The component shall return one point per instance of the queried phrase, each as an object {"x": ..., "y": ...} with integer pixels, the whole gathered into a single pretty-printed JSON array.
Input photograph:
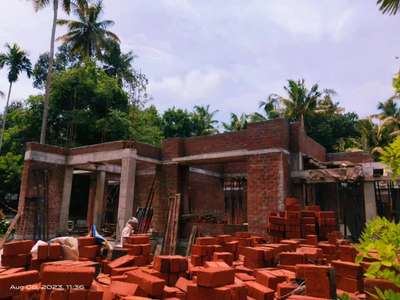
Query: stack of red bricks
[
  {"x": 12, "y": 280},
  {"x": 276, "y": 226},
  {"x": 349, "y": 276},
  {"x": 46, "y": 253},
  {"x": 138, "y": 245},
  {"x": 326, "y": 223},
  {"x": 295, "y": 223},
  {"x": 319, "y": 280},
  {"x": 292, "y": 224},
  {"x": 89, "y": 248},
  {"x": 17, "y": 253},
  {"x": 170, "y": 267},
  {"x": 308, "y": 222}
]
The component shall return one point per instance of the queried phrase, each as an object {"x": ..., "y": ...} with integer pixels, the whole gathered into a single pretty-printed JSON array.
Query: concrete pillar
[
  {"x": 91, "y": 200},
  {"x": 66, "y": 199},
  {"x": 126, "y": 192},
  {"x": 369, "y": 201},
  {"x": 99, "y": 198}
]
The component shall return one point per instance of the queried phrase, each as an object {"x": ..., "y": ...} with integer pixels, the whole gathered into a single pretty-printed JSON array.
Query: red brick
[
  {"x": 19, "y": 260},
  {"x": 89, "y": 252},
  {"x": 225, "y": 256},
  {"x": 122, "y": 270},
  {"x": 18, "y": 247},
  {"x": 152, "y": 285},
  {"x": 182, "y": 283},
  {"x": 55, "y": 251},
  {"x": 291, "y": 258},
  {"x": 258, "y": 291},
  {"x": 16, "y": 279},
  {"x": 43, "y": 252},
  {"x": 206, "y": 240},
  {"x": 123, "y": 261},
  {"x": 137, "y": 239},
  {"x": 347, "y": 253},
  {"x": 269, "y": 279},
  {"x": 67, "y": 275},
  {"x": 121, "y": 288},
  {"x": 86, "y": 241},
  {"x": 215, "y": 277},
  {"x": 284, "y": 288},
  {"x": 245, "y": 277}
]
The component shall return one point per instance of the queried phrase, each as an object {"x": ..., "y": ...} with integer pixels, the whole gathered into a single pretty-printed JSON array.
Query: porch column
[
  {"x": 126, "y": 191},
  {"x": 369, "y": 201},
  {"x": 66, "y": 199},
  {"x": 91, "y": 200},
  {"x": 99, "y": 199}
]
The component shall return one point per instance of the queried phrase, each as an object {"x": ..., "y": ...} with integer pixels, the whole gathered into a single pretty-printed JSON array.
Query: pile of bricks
[
  {"x": 296, "y": 223},
  {"x": 232, "y": 267},
  {"x": 138, "y": 245},
  {"x": 326, "y": 223},
  {"x": 89, "y": 248},
  {"x": 17, "y": 253},
  {"x": 47, "y": 253}
]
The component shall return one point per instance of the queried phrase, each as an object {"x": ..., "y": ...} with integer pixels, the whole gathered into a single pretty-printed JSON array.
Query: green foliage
[
  {"x": 85, "y": 97},
  {"x": 388, "y": 6},
  {"x": 236, "y": 123},
  {"x": 145, "y": 125},
  {"x": 17, "y": 61},
  {"x": 10, "y": 172},
  {"x": 381, "y": 241},
  {"x": 391, "y": 157},
  {"x": 396, "y": 83}
]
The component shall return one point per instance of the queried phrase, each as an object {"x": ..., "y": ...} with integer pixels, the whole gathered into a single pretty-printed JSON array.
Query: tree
[
  {"x": 391, "y": 157},
  {"x": 83, "y": 98},
  {"x": 176, "y": 123},
  {"x": 299, "y": 102},
  {"x": 120, "y": 65},
  {"x": 203, "y": 120},
  {"x": 89, "y": 36},
  {"x": 237, "y": 123},
  {"x": 17, "y": 61},
  {"x": 388, "y": 6},
  {"x": 40, "y": 4},
  {"x": 63, "y": 60},
  {"x": 145, "y": 125}
]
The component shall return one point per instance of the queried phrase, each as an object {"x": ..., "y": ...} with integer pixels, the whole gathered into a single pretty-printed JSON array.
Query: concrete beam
[
  {"x": 126, "y": 193},
  {"x": 102, "y": 156},
  {"x": 227, "y": 154},
  {"x": 45, "y": 157},
  {"x": 66, "y": 199},
  {"x": 109, "y": 168}
]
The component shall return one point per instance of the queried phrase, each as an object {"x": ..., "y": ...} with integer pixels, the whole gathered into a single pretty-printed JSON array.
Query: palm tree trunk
[
  {"x": 49, "y": 75},
  {"x": 3, "y": 127}
]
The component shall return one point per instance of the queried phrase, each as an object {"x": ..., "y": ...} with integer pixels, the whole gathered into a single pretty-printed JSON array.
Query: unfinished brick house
[{"x": 226, "y": 181}]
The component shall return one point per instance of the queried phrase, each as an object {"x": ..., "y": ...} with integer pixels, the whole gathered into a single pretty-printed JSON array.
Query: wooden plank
[{"x": 192, "y": 237}]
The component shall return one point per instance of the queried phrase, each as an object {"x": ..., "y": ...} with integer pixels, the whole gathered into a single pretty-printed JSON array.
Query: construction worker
[{"x": 129, "y": 229}]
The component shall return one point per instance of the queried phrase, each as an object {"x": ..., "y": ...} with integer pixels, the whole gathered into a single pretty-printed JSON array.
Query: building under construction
[{"x": 222, "y": 183}]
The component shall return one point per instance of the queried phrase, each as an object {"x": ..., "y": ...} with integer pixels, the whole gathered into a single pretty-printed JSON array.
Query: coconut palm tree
[
  {"x": 88, "y": 35},
  {"x": 17, "y": 61},
  {"x": 390, "y": 7},
  {"x": 38, "y": 5},
  {"x": 203, "y": 119},
  {"x": 237, "y": 122},
  {"x": 119, "y": 64}
]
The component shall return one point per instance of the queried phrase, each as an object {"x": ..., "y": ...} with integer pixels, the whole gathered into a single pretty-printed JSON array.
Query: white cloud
[{"x": 190, "y": 87}]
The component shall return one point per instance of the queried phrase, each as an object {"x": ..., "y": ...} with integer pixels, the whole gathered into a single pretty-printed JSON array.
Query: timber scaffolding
[{"x": 227, "y": 183}]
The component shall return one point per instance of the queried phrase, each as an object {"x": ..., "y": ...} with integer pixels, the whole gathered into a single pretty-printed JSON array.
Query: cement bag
[{"x": 69, "y": 246}]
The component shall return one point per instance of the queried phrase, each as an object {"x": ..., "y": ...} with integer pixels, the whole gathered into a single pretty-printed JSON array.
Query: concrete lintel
[
  {"x": 228, "y": 154},
  {"x": 46, "y": 157},
  {"x": 109, "y": 168},
  {"x": 145, "y": 172},
  {"x": 102, "y": 156},
  {"x": 206, "y": 172}
]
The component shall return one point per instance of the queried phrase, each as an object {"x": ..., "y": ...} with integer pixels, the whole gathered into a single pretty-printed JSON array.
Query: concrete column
[
  {"x": 91, "y": 200},
  {"x": 126, "y": 192},
  {"x": 99, "y": 199},
  {"x": 66, "y": 199},
  {"x": 369, "y": 201}
]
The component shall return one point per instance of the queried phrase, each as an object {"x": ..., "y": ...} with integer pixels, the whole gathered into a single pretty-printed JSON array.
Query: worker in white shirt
[{"x": 129, "y": 229}]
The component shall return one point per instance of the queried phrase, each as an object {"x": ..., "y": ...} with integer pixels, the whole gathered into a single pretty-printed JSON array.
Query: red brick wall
[
  {"x": 354, "y": 157},
  {"x": 300, "y": 142},
  {"x": 55, "y": 186},
  {"x": 266, "y": 188}
]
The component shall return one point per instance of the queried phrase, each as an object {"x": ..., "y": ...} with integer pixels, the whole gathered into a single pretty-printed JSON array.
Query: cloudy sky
[{"x": 233, "y": 53}]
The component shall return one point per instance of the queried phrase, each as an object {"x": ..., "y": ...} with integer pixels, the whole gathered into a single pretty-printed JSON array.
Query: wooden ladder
[{"x": 171, "y": 232}]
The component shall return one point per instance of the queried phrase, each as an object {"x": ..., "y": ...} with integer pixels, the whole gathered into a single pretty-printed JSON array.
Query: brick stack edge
[{"x": 232, "y": 267}]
